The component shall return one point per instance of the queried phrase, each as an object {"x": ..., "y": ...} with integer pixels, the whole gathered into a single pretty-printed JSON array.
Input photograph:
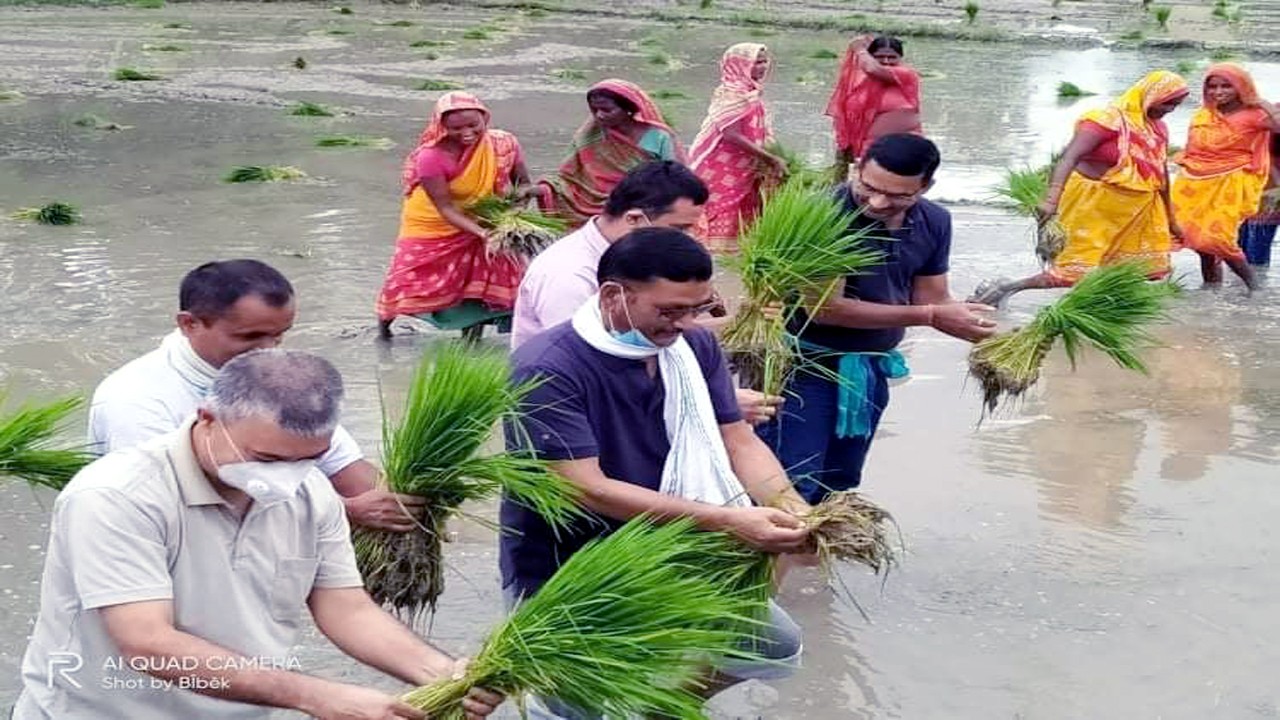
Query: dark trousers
[
  {"x": 1255, "y": 239},
  {"x": 804, "y": 436}
]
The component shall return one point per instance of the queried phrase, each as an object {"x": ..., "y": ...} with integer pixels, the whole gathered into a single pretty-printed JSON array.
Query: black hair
[
  {"x": 654, "y": 187},
  {"x": 211, "y": 289},
  {"x": 653, "y": 253},
  {"x": 905, "y": 154},
  {"x": 628, "y": 106},
  {"x": 885, "y": 41}
]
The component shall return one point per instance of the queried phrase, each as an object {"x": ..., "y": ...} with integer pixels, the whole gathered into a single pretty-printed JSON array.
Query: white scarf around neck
[
  {"x": 697, "y": 466},
  {"x": 195, "y": 370}
]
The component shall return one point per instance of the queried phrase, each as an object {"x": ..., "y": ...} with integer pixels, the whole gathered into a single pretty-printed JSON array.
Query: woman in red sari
[
  {"x": 1225, "y": 169},
  {"x": 442, "y": 271},
  {"x": 875, "y": 95},
  {"x": 626, "y": 130},
  {"x": 729, "y": 153}
]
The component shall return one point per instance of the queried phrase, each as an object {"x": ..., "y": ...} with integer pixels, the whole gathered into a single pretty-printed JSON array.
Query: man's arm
[
  {"x": 848, "y": 312},
  {"x": 758, "y": 469},
  {"x": 931, "y": 306},
  {"x": 763, "y": 528},
  {"x": 372, "y": 506},
  {"x": 145, "y": 631},
  {"x": 361, "y": 629}
]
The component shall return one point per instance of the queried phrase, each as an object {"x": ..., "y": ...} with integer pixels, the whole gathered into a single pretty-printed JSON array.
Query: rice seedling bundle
[
  {"x": 1071, "y": 90},
  {"x": 54, "y": 213},
  {"x": 347, "y": 141},
  {"x": 163, "y": 48},
  {"x": 310, "y": 109},
  {"x": 434, "y": 85},
  {"x": 799, "y": 170},
  {"x": 1025, "y": 189},
  {"x": 27, "y": 448},
  {"x": 846, "y": 526},
  {"x": 626, "y": 628},
  {"x": 515, "y": 229},
  {"x": 435, "y": 451},
  {"x": 797, "y": 251},
  {"x": 1108, "y": 309},
  {"x": 263, "y": 173},
  {"x": 300, "y": 63},
  {"x": 131, "y": 75}
]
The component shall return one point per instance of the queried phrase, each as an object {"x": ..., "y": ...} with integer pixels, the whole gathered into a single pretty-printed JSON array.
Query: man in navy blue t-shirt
[
  {"x": 600, "y": 415},
  {"x": 825, "y": 429}
]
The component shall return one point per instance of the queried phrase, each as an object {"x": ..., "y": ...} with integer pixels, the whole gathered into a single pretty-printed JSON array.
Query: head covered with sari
[
  {"x": 647, "y": 110},
  {"x": 1219, "y": 143},
  {"x": 1142, "y": 141},
  {"x": 435, "y": 131},
  {"x": 737, "y": 95},
  {"x": 1239, "y": 78},
  {"x": 858, "y": 98}
]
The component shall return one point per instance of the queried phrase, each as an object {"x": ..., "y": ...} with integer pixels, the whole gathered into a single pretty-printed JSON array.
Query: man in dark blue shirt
[
  {"x": 601, "y": 415},
  {"x": 826, "y": 427}
]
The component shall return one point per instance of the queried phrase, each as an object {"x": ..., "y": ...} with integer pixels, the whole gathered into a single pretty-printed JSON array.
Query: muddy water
[{"x": 1102, "y": 550}]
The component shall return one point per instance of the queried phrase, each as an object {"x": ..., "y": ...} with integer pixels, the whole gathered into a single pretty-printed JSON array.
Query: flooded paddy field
[{"x": 1105, "y": 549}]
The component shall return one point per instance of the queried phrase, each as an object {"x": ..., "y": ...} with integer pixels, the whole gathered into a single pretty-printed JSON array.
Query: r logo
[{"x": 63, "y": 664}]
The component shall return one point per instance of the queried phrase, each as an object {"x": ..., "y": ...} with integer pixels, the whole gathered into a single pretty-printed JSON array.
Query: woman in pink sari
[
  {"x": 729, "y": 153},
  {"x": 875, "y": 95}
]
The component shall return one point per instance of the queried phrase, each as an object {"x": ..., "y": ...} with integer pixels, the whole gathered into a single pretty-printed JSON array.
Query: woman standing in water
[
  {"x": 1225, "y": 168},
  {"x": 1110, "y": 190},
  {"x": 729, "y": 153},
  {"x": 875, "y": 94},
  {"x": 625, "y": 130},
  {"x": 442, "y": 271}
]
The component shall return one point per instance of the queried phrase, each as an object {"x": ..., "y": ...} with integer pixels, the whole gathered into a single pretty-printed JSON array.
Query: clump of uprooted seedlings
[
  {"x": 1108, "y": 309},
  {"x": 514, "y": 228},
  {"x": 28, "y": 448},
  {"x": 435, "y": 451},
  {"x": 1025, "y": 190},
  {"x": 798, "y": 169},
  {"x": 629, "y": 626},
  {"x": 54, "y": 213},
  {"x": 848, "y": 527},
  {"x": 263, "y": 174},
  {"x": 796, "y": 253}
]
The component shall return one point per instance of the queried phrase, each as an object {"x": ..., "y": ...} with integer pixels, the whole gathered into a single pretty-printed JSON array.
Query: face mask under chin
[{"x": 632, "y": 337}]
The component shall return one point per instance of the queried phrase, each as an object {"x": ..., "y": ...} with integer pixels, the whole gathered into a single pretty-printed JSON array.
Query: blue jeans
[
  {"x": 804, "y": 436},
  {"x": 1255, "y": 239},
  {"x": 779, "y": 643}
]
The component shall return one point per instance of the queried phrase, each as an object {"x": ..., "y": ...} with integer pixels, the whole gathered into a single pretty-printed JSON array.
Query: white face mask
[{"x": 265, "y": 482}]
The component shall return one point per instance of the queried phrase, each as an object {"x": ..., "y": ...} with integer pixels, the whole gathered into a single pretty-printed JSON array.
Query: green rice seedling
[
  {"x": 347, "y": 141},
  {"x": 54, "y": 213},
  {"x": 649, "y": 41},
  {"x": 478, "y": 33},
  {"x": 848, "y": 527},
  {"x": 627, "y": 627},
  {"x": 400, "y": 23},
  {"x": 1162, "y": 14},
  {"x": 1185, "y": 67},
  {"x": 569, "y": 74},
  {"x": 263, "y": 174},
  {"x": 435, "y": 450},
  {"x": 1069, "y": 90},
  {"x": 798, "y": 169},
  {"x": 515, "y": 229},
  {"x": 1223, "y": 54},
  {"x": 93, "y": 122},
  {"x": 705, "y": 4},
  {"x": 1134, "y": 36},
  {"x": 300, "y": 63},
  {"x": 430, "y": 56},
  {"x": 149, "y": 4},
  {"x": 534, "y": 12},
  {"x": 659, "y": 58},
  {"x": 344, "y": 10},
  {"x": 429, "y": 43},
  {"x": 339, "y": 31},
  {"x": 824, "y": 54},
  {"x": 1221, "y": 10},
  {"x": 176, "y": 26},
  {"x": 1025, "y": 190},
  {"x": 434, "y": 85},
  {"x": 28, "y": 450},
  {"x": 971, "y": 12},
  {"x": 310, "y": 109},
  {"x": 1108, "y": 310},
  {"x": 798, "y": 250},
  {"x": 126, "y": 74},
  {"x": 163, "y": 48}
]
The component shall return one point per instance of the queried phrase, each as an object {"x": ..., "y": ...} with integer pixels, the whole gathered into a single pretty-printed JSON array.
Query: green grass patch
[
  {"x": 310, "y": 109},
  {"x": 399, "y": 23},
  {"x": 263, "y": 174},
  {"x": 1223, "y": 54},
  {"x": 54, "y": 213},
  {"x": 1133, "y": 36},
  {"x": 126, "y": 74},
  {"x": 569, "y": 74},
  {"x": 1162, "y": 14},
  {"x": 1071, "y": 90},
  {"x": 483, "y": 32},
  {"x": 163, "y": 48},
  {"x": 659, "y": 58},
  {"x": 1185, "y": 67},
  {"x": 354, "y": 141},
  {"x": 436, "y": 85},
  {"x": 648, "y": 42},
  {"x": 94, "y": 122},
  {"x": 429, "y": 43}
]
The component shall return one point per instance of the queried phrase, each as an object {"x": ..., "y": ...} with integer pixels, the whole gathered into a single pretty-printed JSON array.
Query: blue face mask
[{"x": 631, "y": 337}]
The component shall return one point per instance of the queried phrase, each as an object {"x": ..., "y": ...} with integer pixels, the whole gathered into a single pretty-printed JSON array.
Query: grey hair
[{"x": 300, "y": 392}]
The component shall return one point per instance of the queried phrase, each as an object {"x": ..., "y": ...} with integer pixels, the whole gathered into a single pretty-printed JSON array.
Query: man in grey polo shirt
[{"x": 178, "y": 570}]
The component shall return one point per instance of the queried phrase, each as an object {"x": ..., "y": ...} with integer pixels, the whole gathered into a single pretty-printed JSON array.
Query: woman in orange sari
[
  {"x": 1225, "y": 167},
  {"x": 875, "y": 95},
  {"x": 1110, "y": 190},
  {"x": 442, "y": 271},
  {"x": 729, "y": 153},
  {"x": 625, "y": 131}
]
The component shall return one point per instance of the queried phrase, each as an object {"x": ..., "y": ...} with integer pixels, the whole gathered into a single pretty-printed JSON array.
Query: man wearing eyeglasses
[{"x": 823, "y": 433}]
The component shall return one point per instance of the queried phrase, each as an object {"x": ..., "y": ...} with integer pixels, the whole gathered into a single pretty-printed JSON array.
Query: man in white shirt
[
  {"x": 178, "y": 570},
  {"x": 224, "y": 309}
]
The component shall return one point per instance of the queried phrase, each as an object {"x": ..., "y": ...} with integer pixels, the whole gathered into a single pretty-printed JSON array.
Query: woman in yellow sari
[
  {"x": 442, "y": 271},
  {"x": 1224, "y": 170},
  {"x": 1110, "y": 190}
]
